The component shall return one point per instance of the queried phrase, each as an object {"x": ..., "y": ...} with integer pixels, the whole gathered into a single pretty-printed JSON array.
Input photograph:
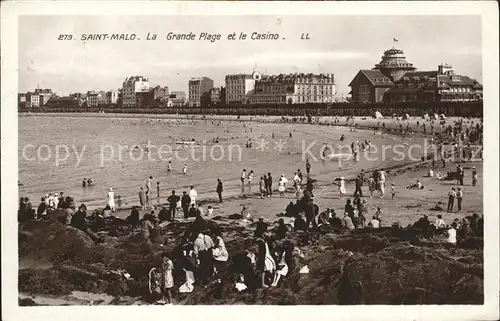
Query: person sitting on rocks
[
  {"x": 299, "y": 224},
  {"x": 464, "y": 232},
  {"x": 42, "y": 209},
  {"x": 193, "y": 211},
  {"x": 147, "y": 228},
  {"x": 164, "y": 215},
  {"x": 348, "y": 224},
  {"x": 290, "y": 210},
  {"x": 285, "y": 263},
  {"x": 374, "y": 223},
  {"x": 335, "y": 222},
  {"x": 261, "y": 228},
  {"x": 69, "y": 211},
  {"x": 79, "y": 221},
  {"x": 451, "y": 233},
  {"x": 423, "y": 224},
  {"x": 440, "y": 224},
  {"x": 323, "y": 218},
  {"x": 133, "y": 218},
  {"x": 281, "y": 230},
  {"x": 265, "y": 262}
]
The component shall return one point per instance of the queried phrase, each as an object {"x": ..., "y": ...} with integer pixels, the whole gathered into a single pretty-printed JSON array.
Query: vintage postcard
[{"x": 225, "y": 159}]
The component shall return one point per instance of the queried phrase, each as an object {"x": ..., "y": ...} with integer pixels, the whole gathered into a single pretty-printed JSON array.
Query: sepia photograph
[{"x": 210, "y": 154}]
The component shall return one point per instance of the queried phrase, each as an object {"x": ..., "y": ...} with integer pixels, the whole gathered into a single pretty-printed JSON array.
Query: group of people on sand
[{"x": 48, "y": 204}]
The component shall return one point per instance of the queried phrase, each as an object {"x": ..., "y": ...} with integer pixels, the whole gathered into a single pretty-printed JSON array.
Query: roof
[
  {"x": 421, "y": 74},
  {"x": 376, "y": 77},
  {"x": 457, "y": 80},
  {"x": 411, "y": 87}
]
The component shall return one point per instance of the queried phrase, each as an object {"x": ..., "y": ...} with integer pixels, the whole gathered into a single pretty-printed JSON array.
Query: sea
[{"x": 57, "y": 152}]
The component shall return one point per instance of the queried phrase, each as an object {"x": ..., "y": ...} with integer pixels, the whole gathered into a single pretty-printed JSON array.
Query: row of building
[{"x": 392, "y": 80}]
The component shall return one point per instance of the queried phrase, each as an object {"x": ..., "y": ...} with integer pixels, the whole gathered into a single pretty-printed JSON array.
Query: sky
[{"x": 337, "y": 44}]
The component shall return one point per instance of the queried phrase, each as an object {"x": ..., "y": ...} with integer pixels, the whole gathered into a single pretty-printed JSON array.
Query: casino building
[{"x": 395, "y": 80}]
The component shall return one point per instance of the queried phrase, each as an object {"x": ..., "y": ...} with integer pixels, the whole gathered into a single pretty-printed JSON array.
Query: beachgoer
[
  {"x": 167, "y": 268},
  {"x": 111, "y": 200},
  {"x": 348, "y": 222},
  {"x": 358, "y": 184},
  {"x": 185, "y": 202},
  {"x": 169, "y": 166},
  {"x": 193, "y": 194},
  {"x": 210, "y": 211},
  {"x": 219, "y": 189},
  {"x": 242, "y": 179},
  {"x": 440, "y": 224},
  {"x": 374, "y": 223},
  {"x": 281, "y": 185},
  {"x": 451, "y": 199},
  {"x": 184, "y": 169},
  {"x": 157, "y": 192},
  {"x": 308, "y": 167},
  {"x": 249, "y": 180},
  {"x": 142, "y": 198},
  {"x": 460, "y": 195},
  {"x": 172, "y": 201},
  {"x": 260, "y": 228},
  {"x": 262, "y": 186},
  {"x": 269, "y": 185},
  {"x": 341, "y": 185},
  {"x": 452, "y": 233},
  {"x": 393, "y": 190},
  {"x": 474, "y": 176},
  {"x": 202, "y": 248}
]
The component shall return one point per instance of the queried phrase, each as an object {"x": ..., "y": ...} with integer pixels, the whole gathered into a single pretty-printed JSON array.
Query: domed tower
[{"x": 394, "y": 64}]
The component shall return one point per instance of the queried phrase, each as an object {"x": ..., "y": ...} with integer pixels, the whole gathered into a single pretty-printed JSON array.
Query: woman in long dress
[
  {"x": 342, "y": 189},
  {"x": 111, "y": 199},
  {"x": 281, "y": 185}
]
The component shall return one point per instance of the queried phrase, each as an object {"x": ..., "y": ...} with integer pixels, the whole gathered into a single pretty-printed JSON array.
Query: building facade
[
  {"x": 176, "y": 99},
  {"x": 441, "y": 85},
  {"x": 369, "y": 86},
  {"x": 112, "y": 97},
  {"x": 92, "y": 99},
  {"x": 198, "y": 87},
  {"x": 131, "y": 86},
  {"x": 217, "y": 96},
  {"x": 155, "y": 96},
  {"x": 294, "y": 89},
  {"x": 239, "y": 86}
]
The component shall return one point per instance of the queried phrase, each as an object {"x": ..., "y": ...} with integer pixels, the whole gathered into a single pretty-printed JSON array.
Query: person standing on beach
[
  {"x": 474, "y": 176},
  {"x": 185, "y": 169},
  {"x": 185, "y": 201},
  {"x": 242, "y": 179},
  {"x": 460, "y": 195},
  {"x": 341, "y": 185},
  {"x": 193, "y": 194},
  {"x": 149, "y": 184},
  {"x": 142, "y": 198},
  {"x": 249, "y": 180},
  {"x": 308, "y": 167},
  {"x": 172, "y": 201},
  {"x": 451, "y": 199},
  {"x": 393, "y": 190},
  {"x": 158, "y": 192},
  {"x": 219, "y": 189},
  {"x": 111, "y": 199},
  {"x": 281, "y": 185},
  {"x": 269, "y": 185},
  {"x": 381, "y": 183},
  {"x": 169, "y": 166},
  {"x": 262, "y": 186},
  {"x": 358, "y": 183}
]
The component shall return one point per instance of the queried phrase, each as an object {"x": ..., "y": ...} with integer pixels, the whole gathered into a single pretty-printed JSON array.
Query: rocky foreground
[{"x": 383, "y": 266}]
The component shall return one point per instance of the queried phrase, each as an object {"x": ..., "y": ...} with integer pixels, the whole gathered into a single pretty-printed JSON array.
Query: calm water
[{"x": 88, "y": 135}]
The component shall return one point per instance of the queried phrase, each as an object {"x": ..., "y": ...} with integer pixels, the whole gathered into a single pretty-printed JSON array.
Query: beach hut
[{"x": 378, "y": 115}]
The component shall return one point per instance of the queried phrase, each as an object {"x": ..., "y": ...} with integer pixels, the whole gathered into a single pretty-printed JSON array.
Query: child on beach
[{"x": 167, "y": 268}]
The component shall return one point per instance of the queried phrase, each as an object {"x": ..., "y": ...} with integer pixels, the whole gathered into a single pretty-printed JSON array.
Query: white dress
[
  {"x": 111, "y": 200},
  {"x": 342, "y": 189},
  {"x": 281, "y": 184},
  {"x": 193, "y": 195}
]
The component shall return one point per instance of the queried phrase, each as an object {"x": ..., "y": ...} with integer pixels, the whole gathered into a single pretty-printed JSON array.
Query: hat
[
  {"x": 110, "y": 189},
  {"x": 56, "y": 194}
]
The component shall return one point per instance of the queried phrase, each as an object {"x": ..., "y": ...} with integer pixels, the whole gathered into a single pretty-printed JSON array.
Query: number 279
[{"x": 65, "y": 37}]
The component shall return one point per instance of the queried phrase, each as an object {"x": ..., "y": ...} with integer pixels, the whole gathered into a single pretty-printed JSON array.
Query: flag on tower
[{"x": 394, "y": 39}]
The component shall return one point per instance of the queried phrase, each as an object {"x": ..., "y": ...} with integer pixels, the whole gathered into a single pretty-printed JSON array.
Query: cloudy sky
[{"x": 338, "y": 44}]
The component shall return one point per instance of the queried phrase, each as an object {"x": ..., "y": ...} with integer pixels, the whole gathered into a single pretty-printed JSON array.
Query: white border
[{"x": 11, "y": 10}]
